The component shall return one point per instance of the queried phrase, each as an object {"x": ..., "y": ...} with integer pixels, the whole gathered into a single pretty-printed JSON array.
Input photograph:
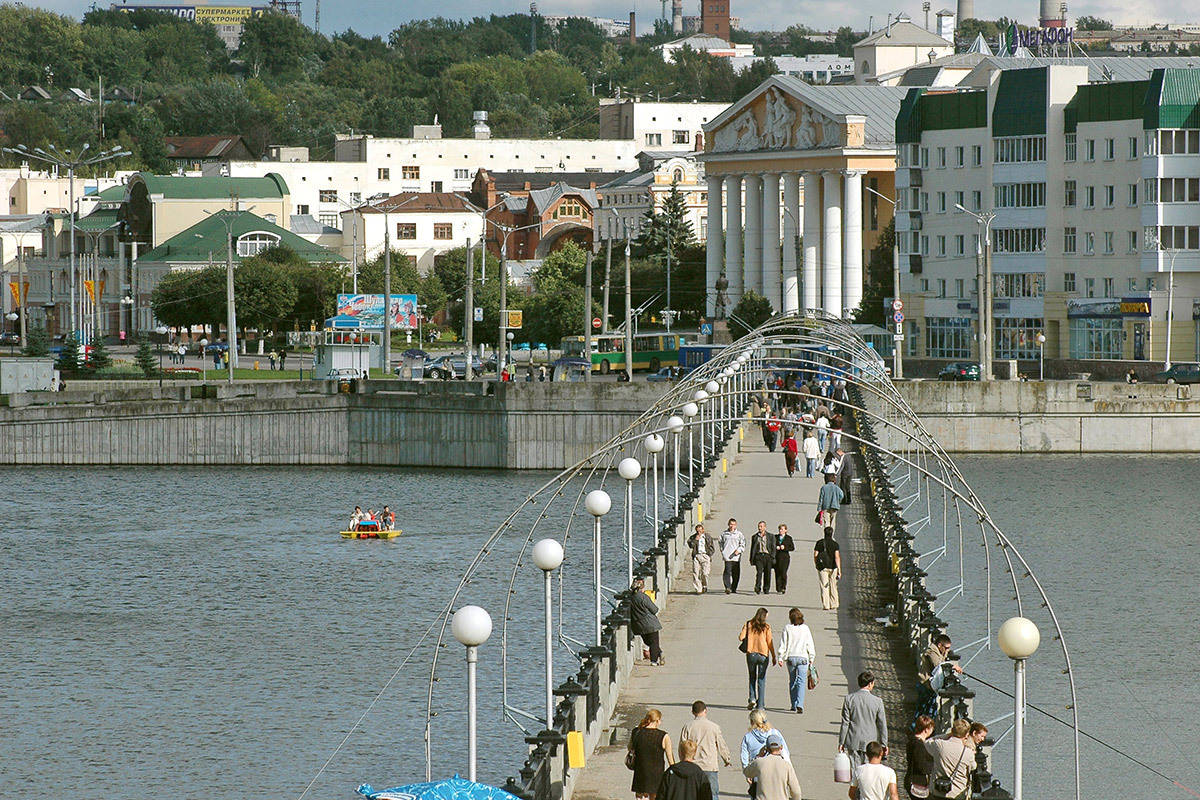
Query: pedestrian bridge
[{"x": 921, "y": 557}]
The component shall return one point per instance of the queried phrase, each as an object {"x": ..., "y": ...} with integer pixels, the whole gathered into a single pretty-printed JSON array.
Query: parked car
[
  {"x": 10, "y": 338},
  {"x": 959, "y": 371},
  {"x": 453, "y": 366},
  {"x": 663, "y": 375},
  {"x": 1183, "y": 372}
]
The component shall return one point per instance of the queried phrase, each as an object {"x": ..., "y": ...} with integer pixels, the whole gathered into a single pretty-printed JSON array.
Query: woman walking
[
  {"x": 919, "y": 776},
  {"x": 812, "y": 452},
  {"x": 760, "y": 652},
  {"x": 797, "y": 653},
  {"x": 754, "y": 743},
  {"x": 649, "y": 745},
  {"x": 790, "y": 450}
]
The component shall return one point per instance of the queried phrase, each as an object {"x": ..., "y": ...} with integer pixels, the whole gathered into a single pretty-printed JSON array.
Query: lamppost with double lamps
[
  {"x": 64, "y": 159},
  {"x": 1019, "y": 639},
  {"x": 690, "y": 410},
  {"x": 1172, "y": 251},
  {"x": 471, "y": 627},
  {"x": 597, "y": 504},
  {"x": 983, "y": 275},
  {"x": 548, "y": 556}
]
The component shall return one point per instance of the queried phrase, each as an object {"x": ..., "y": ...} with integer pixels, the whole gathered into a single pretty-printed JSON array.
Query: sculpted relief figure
[
  {"x": 807, "y": 133},
  {"x": 740, "y": 134},
  {"x": 780, "y": 120}
]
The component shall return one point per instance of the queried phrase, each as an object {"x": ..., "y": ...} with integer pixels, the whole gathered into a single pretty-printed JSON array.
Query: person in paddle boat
[
  {"x": 389, "y": 519},
  {"x": 356, "y": 518}
]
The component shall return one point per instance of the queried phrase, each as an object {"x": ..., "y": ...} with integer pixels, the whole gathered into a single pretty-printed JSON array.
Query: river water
[{"x": 206, "y": 631}]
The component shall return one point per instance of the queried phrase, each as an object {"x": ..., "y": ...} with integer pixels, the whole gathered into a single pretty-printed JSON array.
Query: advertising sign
[
  {"x": 216, "y": 15},
  {"x": 368, "y": 310}
]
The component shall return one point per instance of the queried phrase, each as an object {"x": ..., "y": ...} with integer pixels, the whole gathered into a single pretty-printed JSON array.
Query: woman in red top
[{"x": 790, "y": 449}]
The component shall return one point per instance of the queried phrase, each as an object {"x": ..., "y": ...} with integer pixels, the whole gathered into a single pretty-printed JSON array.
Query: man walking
[
  {"x": 710, "y": 744},
  {"x": 846, "y": 477},
  {"x": 873, "y": 780},
  {"x": 828, "y": 558},
  {"x": 702, "y": 549},
  {"x": 863, "y": 721},
  {"x": 783, "y": 557},
  {"x": 762, "y": 556},
  {"x": 733, "y": 543},
  {"x": 643, "y": 620},
  {"x": 829, "y": 500},
  {"x": 772, "y": 774},
  {"x": 685, "y": 780}
]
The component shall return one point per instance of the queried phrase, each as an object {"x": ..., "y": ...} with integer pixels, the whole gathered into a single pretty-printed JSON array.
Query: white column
[
  {"x": 754, "y": 249},
  {"x": 770, "y": 264},
  {"x": 733, "y": 238},
  {"x": 812, "y": 240},
  {"x": 831, "y": 245},
  {"x": 852, "y": 248},
  {"x": 791, "y": 229},
  {"x": 713, "y": 243}
]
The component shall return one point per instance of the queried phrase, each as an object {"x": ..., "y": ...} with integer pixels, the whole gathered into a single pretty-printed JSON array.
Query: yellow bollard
[
  {"x": 256, "y": 365},
  {"x": 575, "y": 755},
  {"x": 724, "y": 466},
  {"x": 699, "y": 512},
  {"x": 895, "y": 564},
  {"x": 741, "y": 434}
]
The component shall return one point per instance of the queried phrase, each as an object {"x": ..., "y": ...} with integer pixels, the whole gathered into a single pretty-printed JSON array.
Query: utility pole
[
  {"x": 469, "y": 314},
  {"x": 587, "y": 316},
  {"x": 607, "y": 284},
  {"x": 628, "y": 317},
  {"x": 532, "y": 28},
  {"x": 230, "y": 310},
  {"x": 387, "y": 300},
  {"x": 502, "y": 342},
  {"x": 897, "y": 343}
]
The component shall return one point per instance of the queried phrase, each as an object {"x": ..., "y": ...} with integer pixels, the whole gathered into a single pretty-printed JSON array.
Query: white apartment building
[
  {"x": 422, "y": 226},
  {"x": 1094, "y": 196},
  {"x": 366, "y": 167},
  {"x": 657, "y": 127},
  {"x": 35, "y": 191},
  {"x": 814, "y": 68}
]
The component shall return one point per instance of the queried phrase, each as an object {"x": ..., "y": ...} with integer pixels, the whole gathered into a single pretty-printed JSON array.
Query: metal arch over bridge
[{"x": 907, "y": 470}]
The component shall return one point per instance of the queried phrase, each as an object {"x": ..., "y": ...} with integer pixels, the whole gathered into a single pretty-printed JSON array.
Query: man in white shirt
[
  {"x": 732, "y": 544},
  {"x": 873, "y": 780}
]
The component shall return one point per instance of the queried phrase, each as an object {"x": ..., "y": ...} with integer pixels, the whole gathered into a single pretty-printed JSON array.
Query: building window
[
  {"x": 1178, "y": 190},
  {"x": 443, "y": 231},
  {"x": 383, "y": 173},
  {"x": 977, "y": 200},
  {"x": 924, "y": 284},
  {"x": 1089, "y": 287},
  {"x": 959, "y": 244},
  {"x": 1131, "y": 285},
  {"x": 941, "y": 287},
  {"x": 959, "y": 287},
  {"x": 1177, "y": 237},
  {"x": 977, "y": 155},
  {"x": 1070, "y": 147},
  {"x": 941, "y": 246},
  {"x": 1089, "y": 197},
  {"x": 924, "y": 245},
  {"x": 327, "y": 195},
  {"x": 1020, "y": 195},
  {"x": 1068, "y": 282},
  {"x": 1110, "y": 196},
  {"x": 302, "y": 209},
  {"x": 1109, "y": 150},
  {"x": 1096, "y": 337},
  {"x": 1069, "y": 194},
  {"x": 329, "y": 220},
  {"x": 1179, "y": 142},
  {"x": 1069, "y": 244},
  {"x": 1109, "y": 289},
  {"x": 959, "y": 156},
  {"x": 1017, "y": 337},
  {"x": 410, "y": 173},
  {"x": 941, "y": 202},
  {"x": 925, "y": 202},
  {"x": 356, "y": 197},
  {"x": 1089, "y": 245},
  {"x": 1151, "y": 195},
  {"x": 1019, "y": 284},
  {"x": 251, "y": 244},
  {"x": 570, "y": 208},
  {"x": 941, "y": 158},
  {"x": 1019, "y": 240},
  {"x": 1133, "y": 194},
  {"x": 679, "y": 137},
  {"x": 959, "y": 201},
  {"x": 462, "y": 174},
  {"x": 406, "y": 230},
  {"x": 1089, "y": 150},
  {"x": 924, "y": 158},
  {"x": 1108, "y": 247},
  {"x": 1019, "y": 149},
  {"x": 1133, "y": 147},
  {"x": 1133, "y": 242},
  {"x": 653, "y": 139},
  {"x": 948, "y": 337}
]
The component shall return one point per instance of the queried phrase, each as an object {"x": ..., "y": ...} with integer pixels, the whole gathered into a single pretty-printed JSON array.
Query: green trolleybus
[{"x": 651, "y": 351}]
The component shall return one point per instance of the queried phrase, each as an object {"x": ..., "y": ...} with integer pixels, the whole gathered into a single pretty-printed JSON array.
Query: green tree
[
  {"x": 274, "y": 46},
  {"x": 264, "y": 293},
  {"x": 145, "y": 357},
  {"x": 38, "y": 343},
  {"x": 670, "y": 226},
  {"x": 100, "y": 356},
  {"x": 750, "y": 312},
  {"x": 68, "y": 356},
  {"x": 844, "y": 41},
  {"x": 878, "y": 284},
  {"x": 1090, "y": 23},
  {"x": 182, "y": 299},
  {"x": 556, "y": 309}
]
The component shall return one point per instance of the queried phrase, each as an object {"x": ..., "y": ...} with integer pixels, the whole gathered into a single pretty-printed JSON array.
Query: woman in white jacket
[
  {"x": 812, "y": 452},
  {"x": 796, "y": 652}
]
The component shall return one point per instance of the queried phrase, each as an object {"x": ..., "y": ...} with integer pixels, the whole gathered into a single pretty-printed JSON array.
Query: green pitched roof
[
  {"x": 99, "y": 220},
  {"x": 1173, "y": 99},
  {"x": 194, "y": 245},
  {"x": 1020, "y": 108},
  {"x": 184, "y": 188},
  {"x": 1105, "y": 102}
]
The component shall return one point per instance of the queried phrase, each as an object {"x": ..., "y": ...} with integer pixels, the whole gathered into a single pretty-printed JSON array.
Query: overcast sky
[{"x": 371, "y": 17}]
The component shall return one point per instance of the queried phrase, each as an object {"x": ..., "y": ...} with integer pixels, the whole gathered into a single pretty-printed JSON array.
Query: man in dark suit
[
  {"x": 863, "y": 721},
  {"x": 784, "y": 546}
]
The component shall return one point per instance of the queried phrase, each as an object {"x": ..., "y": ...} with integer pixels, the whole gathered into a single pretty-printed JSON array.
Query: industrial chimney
[
  {"x": 966, "y": 10},
  {"x": 1053, "y": 14},
  {"x": 677, "y": 15},
  {"x": 632, "y": 28}
]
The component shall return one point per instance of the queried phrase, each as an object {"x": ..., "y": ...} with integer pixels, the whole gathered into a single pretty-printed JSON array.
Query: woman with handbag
[
  {"x": 759, "y": 647},
  {"x": 919, "y": 775},
  {"x": 648, "y": 744},
  {"x": 953, "y": 759},
  {"x": 797, "y": 653}
]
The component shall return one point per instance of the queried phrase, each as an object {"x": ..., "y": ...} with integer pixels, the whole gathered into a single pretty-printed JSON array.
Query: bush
[
  {"x": 145, "y": 357},
  {"x": 750, "y": 312},
  {"x": 100, "y": 358},
  {"x": 68, "y": 357},
  {"x": 38, "y": 345}
]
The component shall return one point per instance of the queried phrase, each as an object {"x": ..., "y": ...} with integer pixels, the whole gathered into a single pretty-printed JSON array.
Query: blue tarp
[{"x": 454, "y": 789}]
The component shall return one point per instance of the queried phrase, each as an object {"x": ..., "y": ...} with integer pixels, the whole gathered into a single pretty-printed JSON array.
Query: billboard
[
  {"x": 217, "y": 15},
  {"x": 368, "y": 310}
]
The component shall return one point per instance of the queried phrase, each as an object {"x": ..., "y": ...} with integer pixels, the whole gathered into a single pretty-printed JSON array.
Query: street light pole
[
  {"x": 597, "y": 504},
  {"x": 983, "y": 276},
  {"x": 471, "y": 626},
  {"x": 1019, "y": 639},
  {"x": 629, "y": 469},
  {"x": 1041, "y": 340},
  {"x": 628, "y": 317},
  {"x": 897, "y": 347},
  {"x": 1170, "y": 302},
  {"x": 548, "y": 556}
]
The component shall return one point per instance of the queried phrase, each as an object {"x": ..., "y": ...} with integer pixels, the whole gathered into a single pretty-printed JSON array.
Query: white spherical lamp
[
  {"x": 700, "y": 396},
  {"x": 712, "y": 387},
  {"x": 675, "y": 424},
  {"x": 690, "y": 409},
  {"x": 654, "y": 443},
  {"x": 471, "y": 626},
  {"x": 1018, "y": 638},
  {"x": 629, "y": 468},
  {"x": 548, "y": 554},
  {"x": 597, "y": 503},
  {"x": 736, "y": 365}
]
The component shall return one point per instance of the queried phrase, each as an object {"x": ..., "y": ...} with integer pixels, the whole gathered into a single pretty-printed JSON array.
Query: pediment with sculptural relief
[{"x": 775, "y": 120}]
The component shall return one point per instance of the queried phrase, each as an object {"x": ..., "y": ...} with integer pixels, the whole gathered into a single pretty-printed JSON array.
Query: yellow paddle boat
[{"x": 371, "y": 533}]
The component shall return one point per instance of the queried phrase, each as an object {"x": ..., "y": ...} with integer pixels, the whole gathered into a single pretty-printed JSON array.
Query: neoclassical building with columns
[{"x": 803, "y": 177}]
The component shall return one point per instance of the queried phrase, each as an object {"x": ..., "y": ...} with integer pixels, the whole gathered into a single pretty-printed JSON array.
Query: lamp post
[
  {"x": 508, "y": 231},
  {"x": 12, "y": 317},
  {"x": 675, "y": 425},
  {"x": 161, "y": 330},
  {"x": 63, "y": 159},
  {"x": 629, "y": 469},
  {"x": 548, "y": 556},
  {"x": 471, "y": 627},
  {"x": 1170, "y": 300},
  {"x": 690, "y": 410},
  {"x": 204, "y": 360},
  {"x": 597, "y": 504},
  {"x": 507, "y": 359},
  {"x": 897, "y": 357},
  {"x": 1019, "y": 639},
  {"x": 983, "y": 275},
  {"x": 654, "y": 445},
  {"x": 227, "y": 218},
  {"x": 1041, "y": 340},
  {"x": 713, "y": 388}
]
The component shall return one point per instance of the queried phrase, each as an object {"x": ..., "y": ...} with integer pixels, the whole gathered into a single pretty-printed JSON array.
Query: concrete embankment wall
[
  {"x": 386, "y": 423},
  {"x": 1057, "y": 416}
]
